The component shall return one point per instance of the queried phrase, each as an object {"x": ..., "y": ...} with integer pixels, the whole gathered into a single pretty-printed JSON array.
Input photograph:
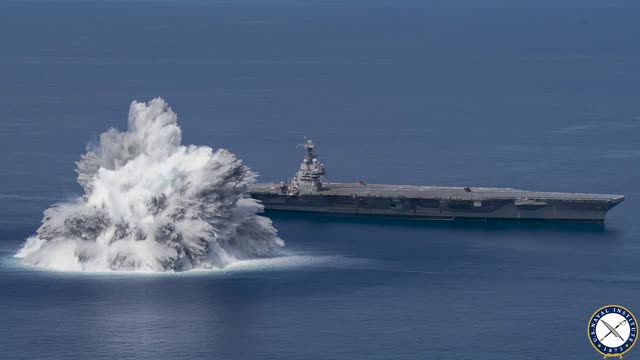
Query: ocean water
[{"x": 540, "y": 95}]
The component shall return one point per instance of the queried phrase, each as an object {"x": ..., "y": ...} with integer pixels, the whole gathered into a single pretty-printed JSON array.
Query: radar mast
[{"x": 310, "y": 175}]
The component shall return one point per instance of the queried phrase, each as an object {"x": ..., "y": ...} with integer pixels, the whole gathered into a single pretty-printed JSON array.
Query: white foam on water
[
  {"x": 261, "y": 265},
  {"x": 151, "y": 204}
]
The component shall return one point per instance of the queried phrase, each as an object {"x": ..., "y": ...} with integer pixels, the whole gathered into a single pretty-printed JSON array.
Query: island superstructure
[{"x": 307, "y": 191}]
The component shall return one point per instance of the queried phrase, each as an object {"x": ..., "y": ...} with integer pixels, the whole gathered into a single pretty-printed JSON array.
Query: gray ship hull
[{"x": 439, "y": 203}]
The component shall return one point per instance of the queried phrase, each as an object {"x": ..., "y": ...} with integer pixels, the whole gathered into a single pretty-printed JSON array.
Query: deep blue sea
[{"x": 540, "y": 95}]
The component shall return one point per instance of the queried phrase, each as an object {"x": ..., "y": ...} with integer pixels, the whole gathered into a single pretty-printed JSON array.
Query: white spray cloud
[{"x": 152, "y": 204}]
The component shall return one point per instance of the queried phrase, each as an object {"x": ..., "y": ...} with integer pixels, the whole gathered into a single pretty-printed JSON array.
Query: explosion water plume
[{"x": 153, "y": 204}]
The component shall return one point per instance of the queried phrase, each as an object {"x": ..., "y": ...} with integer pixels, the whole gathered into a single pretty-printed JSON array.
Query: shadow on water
[
  {"x": 370, "y": 236},
  {"x": 494, "y": 225}
]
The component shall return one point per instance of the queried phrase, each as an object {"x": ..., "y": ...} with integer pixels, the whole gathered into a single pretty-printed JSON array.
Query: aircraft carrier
[{"x": 308, "y": 192}]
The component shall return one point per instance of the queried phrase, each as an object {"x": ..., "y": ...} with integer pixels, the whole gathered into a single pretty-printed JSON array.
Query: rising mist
[{"x": 153, "y": 204}]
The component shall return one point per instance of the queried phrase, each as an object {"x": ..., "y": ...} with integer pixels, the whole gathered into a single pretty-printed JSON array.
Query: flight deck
[{"x": 307, "y": 192}]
